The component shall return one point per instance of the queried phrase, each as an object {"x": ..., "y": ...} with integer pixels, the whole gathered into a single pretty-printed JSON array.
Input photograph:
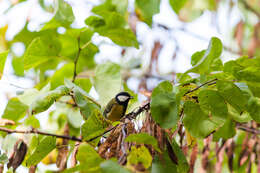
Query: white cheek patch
[{"x": 122, "y": 98}]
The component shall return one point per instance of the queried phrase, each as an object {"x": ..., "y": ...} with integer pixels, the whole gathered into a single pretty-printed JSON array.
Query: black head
[{"x": 123, "y": 98}]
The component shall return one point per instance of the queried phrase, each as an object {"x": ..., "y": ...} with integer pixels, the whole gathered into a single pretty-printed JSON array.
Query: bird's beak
[{"x": 131, "y": 97}]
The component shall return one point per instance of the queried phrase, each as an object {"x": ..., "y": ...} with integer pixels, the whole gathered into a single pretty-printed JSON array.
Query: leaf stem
[
  {"x": 76, "y": 60},
  {"x": 211, "y": 82}
]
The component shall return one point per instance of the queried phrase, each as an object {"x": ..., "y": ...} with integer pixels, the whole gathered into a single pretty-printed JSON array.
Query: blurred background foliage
[{"x": 137, "y": 44}]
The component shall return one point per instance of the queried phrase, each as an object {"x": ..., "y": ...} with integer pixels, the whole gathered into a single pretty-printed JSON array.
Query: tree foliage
[{"x": 206, "y": 118}]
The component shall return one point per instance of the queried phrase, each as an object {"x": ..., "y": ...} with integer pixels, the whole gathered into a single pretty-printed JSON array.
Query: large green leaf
[
  {"x": 182, "y": 165},
  {"x": 146, "y": 9},
  {"x": 46, "y": 145},
  {"x": 139, "y": 155},
  {"x": 18, "y": 66},
  {"x": 41, "y": 50},
  {"x": 212, "y": 103},
  {"x": 119, "y": 6},
  {"x": 228, "y": 130},
  {"x": 143, "y": 138},
  {"x": 110, "y": 166},
  {"x": 232, "y": 94},
  {"x": 94, "y": 126},
  {"x": 107, "y": 81},
  {"x": 58, "y": 77},
  {"x": 196, "y": 121},
  {"x": 86, "y": 106},
  {"x": 121, "y": 36},
  {"x": 43, "y": 101},
  {"x": 164, "y": 106},
  {"x": 177, "y": 5},
  {"x": 213, "y": 52},
  {"x": 3, "y": 56},
  {"x": 14, "y": 110},
  {"x": 254, "y": 108},
  {"x": 163, "y": 164},
  {"x": 241, "y": 117},
  {"x": 88, "y": 158},
  {"x": 63, "y": 15},
  {"x": 112, "y": 25}
]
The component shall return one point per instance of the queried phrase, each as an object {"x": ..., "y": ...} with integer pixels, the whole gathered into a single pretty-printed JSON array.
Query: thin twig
[
  {"x": 213, "y": 81},
  {"x": 35, "y": 131},
  {"x": 250, "y": 8},
  {"x": 248, "y": 129},
  {"x": 76, "y": 61}
]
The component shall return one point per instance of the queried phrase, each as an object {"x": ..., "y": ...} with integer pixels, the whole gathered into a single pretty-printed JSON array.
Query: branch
[
  {"x": 35, "y": 131},
  {"x": 134, "y": 114},
  {"x": 211, "y": 82},
  {"x": 250, "y": 8},
  {"x": 248, "y": 129}
]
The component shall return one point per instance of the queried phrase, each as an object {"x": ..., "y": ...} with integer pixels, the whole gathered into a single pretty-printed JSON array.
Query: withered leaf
[{"x": 17, "y": 157}]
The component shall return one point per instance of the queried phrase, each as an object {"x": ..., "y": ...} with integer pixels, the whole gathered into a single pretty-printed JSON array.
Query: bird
[{"x": 116, "y": 107}]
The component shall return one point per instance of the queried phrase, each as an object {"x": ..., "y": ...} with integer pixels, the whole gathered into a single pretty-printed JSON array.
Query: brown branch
[
  {"x": 35, "y": 131},
  {"x": 248, "y": 129},
  {"x": 211, "y": 82}
]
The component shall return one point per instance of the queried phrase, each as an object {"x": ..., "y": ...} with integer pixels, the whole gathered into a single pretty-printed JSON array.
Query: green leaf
[
  {"x": 18, "y": 66},
  {"x": 46, "y": 145},
  {"x": 145, "y": 9},
  {"x": 74, "y": 117},
  {"x": 249, "y": 74},
  {"x": 254, "y": 88},
  {"x": 45, "y": 100},
  {"x": 182, "y": 166},
  {"x": 213, "y": 104},
  {"x": 58, "y": 77},
  {"x": 121, "y": 36},
  {"x": 85, "y": 105},
  {"x": 94, "y": 126},
  {"x": 88, "y": 158},
  {"x": 119, "y": 6},
  {"x": 164, "y": 106},
  {"x": 197, "y": 56},
  {"x": 163, "y": 164},
  {"x": 196, "y": 121},
  {"x": 107, "y": 81},
  {"x": 213, "y": 52},
  {"x": 3, "y": 158},
  {"x": 32, "y": 121},
  {"x": 230, "y": 92},
  {"x": 40, "y": 50},
  {"x": 254, "y": 108},
  {"x": 113, "y": 25},
  {"x": 139, "y": 155},
  {"x": 3, "y": 56},
  {"x": 63, "y": 15},
  {"x": 110, "y": 166},
  {"x": 228, "y": 130},
  {"x": 14, "y": 110},
  {"x": 177, "y": 5},
  {"x": 241, "y": 117},
  {"x": 143, "y": 138},
  {"x": 84, "y": 83}
]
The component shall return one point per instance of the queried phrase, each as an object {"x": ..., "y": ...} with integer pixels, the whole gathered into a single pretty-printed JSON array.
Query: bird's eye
[{"x": 122, "y": 98}]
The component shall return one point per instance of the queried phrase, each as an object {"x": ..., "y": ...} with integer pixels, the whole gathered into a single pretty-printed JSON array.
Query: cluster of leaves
[{"x": 212, "y": 101}]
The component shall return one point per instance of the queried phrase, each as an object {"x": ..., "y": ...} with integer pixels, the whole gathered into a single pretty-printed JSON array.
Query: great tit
[{"x": 117, "y": 106}]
